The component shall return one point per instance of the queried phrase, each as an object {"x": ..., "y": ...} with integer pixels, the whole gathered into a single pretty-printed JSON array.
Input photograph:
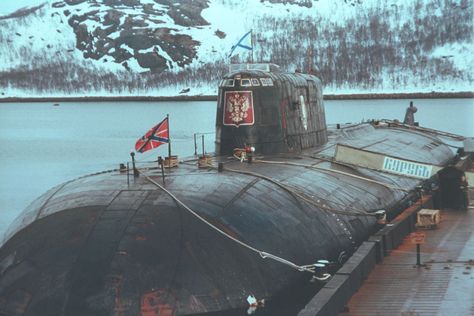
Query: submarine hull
[
  {"x": 97, "y": 245},
  {"x": 205, "y": 240}
]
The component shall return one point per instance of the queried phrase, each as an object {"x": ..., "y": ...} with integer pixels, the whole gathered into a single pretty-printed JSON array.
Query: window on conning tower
[
  {"x": 229, "y": 83},
  {"x": 245, "y": 83}
]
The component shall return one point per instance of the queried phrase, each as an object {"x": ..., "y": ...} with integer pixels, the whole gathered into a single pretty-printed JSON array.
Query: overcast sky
[{"x": 8, "y": 6}]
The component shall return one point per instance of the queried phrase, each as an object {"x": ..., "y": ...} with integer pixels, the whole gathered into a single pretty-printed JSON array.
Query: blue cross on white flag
[{"x": 245, "y": 42}]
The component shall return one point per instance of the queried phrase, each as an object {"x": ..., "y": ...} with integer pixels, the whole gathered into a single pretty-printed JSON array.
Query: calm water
[{"x": 44, "y": 145}]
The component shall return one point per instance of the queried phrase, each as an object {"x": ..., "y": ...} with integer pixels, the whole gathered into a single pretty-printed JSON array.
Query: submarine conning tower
[{"x": 273, "y": 111}]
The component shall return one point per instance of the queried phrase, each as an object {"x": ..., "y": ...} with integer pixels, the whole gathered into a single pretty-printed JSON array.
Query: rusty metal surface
[{"x": 443, "y": 286}]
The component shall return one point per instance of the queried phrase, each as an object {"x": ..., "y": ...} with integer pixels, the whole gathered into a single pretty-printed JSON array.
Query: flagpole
[
  {"x": 252, "y": 44},
  {"x": 169, "y": 139}
]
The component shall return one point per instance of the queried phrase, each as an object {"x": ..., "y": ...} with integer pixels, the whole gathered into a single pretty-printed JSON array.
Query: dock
[
  {"x": 442, "y": 285},
  {"x": 383, "y": 278}
]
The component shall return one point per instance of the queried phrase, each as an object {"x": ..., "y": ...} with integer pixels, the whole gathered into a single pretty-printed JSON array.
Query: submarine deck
[{"x": 443, "y": 285}]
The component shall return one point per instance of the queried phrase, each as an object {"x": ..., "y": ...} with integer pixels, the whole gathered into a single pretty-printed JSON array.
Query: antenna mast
[{"x": 252, "y": 39}]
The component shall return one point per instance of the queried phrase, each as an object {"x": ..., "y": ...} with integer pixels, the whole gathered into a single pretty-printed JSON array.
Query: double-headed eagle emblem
[{"x": 238, "y": 108}]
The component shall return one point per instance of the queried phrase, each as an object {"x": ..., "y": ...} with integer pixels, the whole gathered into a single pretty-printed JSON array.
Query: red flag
[{"x": 155, "y": 137}]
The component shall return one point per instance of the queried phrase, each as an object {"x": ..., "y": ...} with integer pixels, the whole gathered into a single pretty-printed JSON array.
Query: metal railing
[{"x": 202, "y": 136}]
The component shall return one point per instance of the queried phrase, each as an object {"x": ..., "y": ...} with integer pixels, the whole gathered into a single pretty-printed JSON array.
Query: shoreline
[{"x": 361, "y": 96}]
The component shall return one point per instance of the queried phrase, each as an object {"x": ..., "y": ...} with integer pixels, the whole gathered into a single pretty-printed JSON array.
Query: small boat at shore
[{"x": 285, "y": 200}]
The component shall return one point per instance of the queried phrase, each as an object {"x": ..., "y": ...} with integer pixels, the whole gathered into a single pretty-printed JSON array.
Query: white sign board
[
  {"x": 373, "y": 160},
  {"x": 407, "y": 168}
]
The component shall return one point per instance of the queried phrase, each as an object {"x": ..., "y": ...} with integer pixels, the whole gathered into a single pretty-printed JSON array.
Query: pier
[
  {"x": 442, "y": 285},
  {"x": 383, "y": 277}
]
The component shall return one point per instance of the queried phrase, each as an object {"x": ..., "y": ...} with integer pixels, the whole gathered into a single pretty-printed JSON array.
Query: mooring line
[{"x": 262, "y": 254}]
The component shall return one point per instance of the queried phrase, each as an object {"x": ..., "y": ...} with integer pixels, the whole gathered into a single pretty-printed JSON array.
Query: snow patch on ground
[
  {"x": 44, "y": 36},
  {"x": 461, "y": 54},
  {"x": 39, "y": 38}
]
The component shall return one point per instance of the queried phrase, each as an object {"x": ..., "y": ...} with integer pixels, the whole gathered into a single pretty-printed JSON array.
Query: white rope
[
  {"x": 388, "y": 186},
  {"x": 294, "y": 191},
  {"x": 425, "y": 129},
  {"x": 262, "y": 254}
]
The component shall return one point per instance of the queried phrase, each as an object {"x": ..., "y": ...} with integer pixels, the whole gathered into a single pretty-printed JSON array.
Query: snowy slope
[
  {"x": 150, "y": 47},
  {"x": 39, "y": 36}
]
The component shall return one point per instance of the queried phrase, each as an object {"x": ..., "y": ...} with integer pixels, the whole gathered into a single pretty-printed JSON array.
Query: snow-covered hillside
[{"x": 159, "y": 47}]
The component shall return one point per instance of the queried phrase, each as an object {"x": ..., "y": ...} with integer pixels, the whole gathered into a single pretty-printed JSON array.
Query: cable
[
  {"x": 425, "y": 129},
  {"x": 363, "y": 167},
  {"x": 294, "y": 192},
  {"x": 262, "y": 254},
  {"x": 388, "y": 186}
]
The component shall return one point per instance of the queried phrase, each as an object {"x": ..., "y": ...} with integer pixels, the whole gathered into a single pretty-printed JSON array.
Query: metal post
[
  {"x": 420, "y": 194},
  {"x": 253, "y": 42},
  {"x": 160, "y": 162},
  {"x": 195, "y": 145},
  {"x": 418, "y": 255},
  {"x": 135, "y": 171},
  {"x": 203, "y": 152},
  {"x": 128, "y": 174},
  {"x": 169, "y": 140}
]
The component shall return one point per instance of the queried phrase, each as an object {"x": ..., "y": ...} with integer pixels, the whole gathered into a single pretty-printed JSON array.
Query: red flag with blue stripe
[{"x": 155, "y": 137}]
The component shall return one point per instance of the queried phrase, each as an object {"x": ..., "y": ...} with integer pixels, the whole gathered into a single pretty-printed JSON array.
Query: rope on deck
[
  {"x": 295, "y": 192},
  {"x": 425, "y": 129},
  {"x": 262, "y": 254},
  {"x": 388, "y": 186}
]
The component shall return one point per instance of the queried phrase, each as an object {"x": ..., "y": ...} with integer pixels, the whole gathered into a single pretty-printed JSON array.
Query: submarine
[{"x": 284, "y": 199}]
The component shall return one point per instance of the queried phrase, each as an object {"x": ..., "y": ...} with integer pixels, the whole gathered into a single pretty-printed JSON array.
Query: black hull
[{"x": 97, "y": 246}]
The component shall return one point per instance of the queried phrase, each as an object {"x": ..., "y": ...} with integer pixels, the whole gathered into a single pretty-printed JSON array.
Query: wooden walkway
[{"x": 443, "y": 285}]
